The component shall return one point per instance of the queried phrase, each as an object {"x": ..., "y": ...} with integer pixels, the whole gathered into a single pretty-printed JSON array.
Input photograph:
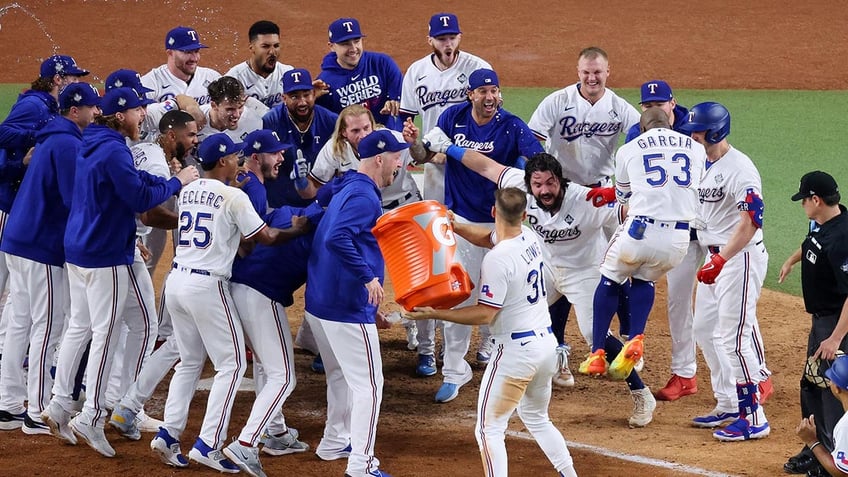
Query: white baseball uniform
[
  {"x": 248, "y": 122},
  {"x": 427, "y": 91},
  {"x": 402, "y": 191},
  {"x": 840, "y": 444},
  {"x": 518, "y": 375},
  {"x": 167, "y": 86},
  {"x": 725, "y": 320},
  {"x": 269, "y": 91},
  {"x": 581, "y": 135},
  {"x": 574, "y": 243},
  {"x": 658, "y": 174},
  {"x": 213, "y": 217}
]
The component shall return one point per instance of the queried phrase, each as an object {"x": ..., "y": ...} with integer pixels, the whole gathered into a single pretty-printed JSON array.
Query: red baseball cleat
[
  {"x": 677, "y": 387},
  {"x": 766, "y": 389}
]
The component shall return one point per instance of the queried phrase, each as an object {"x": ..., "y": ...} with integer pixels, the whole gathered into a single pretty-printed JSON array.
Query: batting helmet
[
  {"x": 710, "y": 117},
  {"x": 838, "y": 372}
]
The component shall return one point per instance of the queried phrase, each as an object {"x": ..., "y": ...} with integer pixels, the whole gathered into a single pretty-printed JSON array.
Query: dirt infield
[{"x": 713, "y": 44}]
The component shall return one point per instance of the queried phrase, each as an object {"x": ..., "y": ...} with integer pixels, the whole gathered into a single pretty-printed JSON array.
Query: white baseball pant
[{"x": 681, "y": 287}]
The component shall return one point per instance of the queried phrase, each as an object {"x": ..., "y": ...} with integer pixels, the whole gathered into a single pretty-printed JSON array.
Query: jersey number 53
[
  {"x": 656, "y": 174},
  {"x": 195, "y": 230}
]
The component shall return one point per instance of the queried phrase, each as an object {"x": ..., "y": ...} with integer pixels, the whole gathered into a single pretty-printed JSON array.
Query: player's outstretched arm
[
  {"x": 437, "y": 141},
  {"x": 478, "y": 235},
  {"x": 470, "y": 315},
  {"x": 274, "y": 236},
  {"x": 790, "y": 262}
]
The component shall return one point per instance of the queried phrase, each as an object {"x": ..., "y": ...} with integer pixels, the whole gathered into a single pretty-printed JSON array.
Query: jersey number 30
[
  {"x": 195, "y": 230},
  {"x": 536, "y": 279},
  {"x": 682, "y": 176}
]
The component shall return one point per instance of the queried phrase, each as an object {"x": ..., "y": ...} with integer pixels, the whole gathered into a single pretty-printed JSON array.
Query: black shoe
[
  {"x": 800, "y": 463},
  {"x": 817, "y": 471}
]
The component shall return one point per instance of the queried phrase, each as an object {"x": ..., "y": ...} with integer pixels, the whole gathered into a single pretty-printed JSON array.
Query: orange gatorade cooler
[{"x": 418, "y": 244}]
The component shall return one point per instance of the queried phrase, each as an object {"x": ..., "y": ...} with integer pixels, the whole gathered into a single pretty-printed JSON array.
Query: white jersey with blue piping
[
  {"x": 167, "y": 86},
  {"x": 269, "y": 91}
]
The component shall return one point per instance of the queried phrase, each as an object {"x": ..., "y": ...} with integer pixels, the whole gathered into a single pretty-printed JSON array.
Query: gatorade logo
[{"x": 442, "y": 232}]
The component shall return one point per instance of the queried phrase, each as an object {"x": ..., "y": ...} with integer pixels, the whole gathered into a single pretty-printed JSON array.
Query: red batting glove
[
  {"x": 601, "y": 196},
  {"x": 708, "y": 273}
]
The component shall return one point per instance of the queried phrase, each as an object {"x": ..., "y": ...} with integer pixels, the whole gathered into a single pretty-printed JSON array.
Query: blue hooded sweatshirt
[
  {"x": 375, "y": 80},
  {"x": 108, "y": 192},
  {"x": 31, "y": 113},
  {"x": 345, "y": 255},
  {"x": 35, "y": 229}
]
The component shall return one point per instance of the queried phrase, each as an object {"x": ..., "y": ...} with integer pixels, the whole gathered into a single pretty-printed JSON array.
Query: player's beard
[
  {"x": 269, "y": 64},
  {"x": 269, "y": 171},
  {"x": 555, "y": 205},
  {"x": 446, "y": 59}
]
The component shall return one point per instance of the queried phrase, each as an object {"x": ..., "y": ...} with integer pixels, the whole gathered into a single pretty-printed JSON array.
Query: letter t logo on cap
[
  {"x": 444, "y": 20},
  {"x": 653, "y": 88},
  {"x": 296, "y": 77},
  {"x": 348, "y": 26}
]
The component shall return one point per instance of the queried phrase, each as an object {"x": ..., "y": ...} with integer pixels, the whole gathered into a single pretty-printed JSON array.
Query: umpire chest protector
[{"x": 824, "y": 266}]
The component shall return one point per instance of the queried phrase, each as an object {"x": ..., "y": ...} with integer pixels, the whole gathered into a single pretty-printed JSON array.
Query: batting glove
[
  {"x": 437, "y": 141},
  {"x": 708, "y": 273},
  {"x": 601, "y": 196},
  {"x": 299, "y": 171}
]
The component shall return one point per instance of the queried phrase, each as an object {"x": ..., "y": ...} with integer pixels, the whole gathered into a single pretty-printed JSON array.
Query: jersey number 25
[{"x": 195, "y": 230}]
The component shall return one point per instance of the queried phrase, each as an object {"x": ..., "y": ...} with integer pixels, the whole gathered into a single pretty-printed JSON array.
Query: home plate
[{"x": 206, "y": 384}]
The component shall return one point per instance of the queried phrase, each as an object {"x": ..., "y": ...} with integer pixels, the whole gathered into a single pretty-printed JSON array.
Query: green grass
[{"x": 786, "y": 134}]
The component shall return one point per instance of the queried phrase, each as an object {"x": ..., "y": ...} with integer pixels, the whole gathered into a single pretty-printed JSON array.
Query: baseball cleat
[
  {"x": 426, "y": 365},
  {"x": 677, "y": 387},
  {"x": 484, "y": 353},
  {"x": 742, "y": 430},
  {"x": 246, "y": 458},
  {"x": 286, "y": 443},
  {"x": 57, "y": 420},
  {"x": 644, "y": 405},
  {"x": 715, "y": 418},
  {"x": 10, "y": 422},
  {"x": 168, "y": 449},
  {"x": 766, "y": 389},
  {"x": 146, "y": 423},
  {"x": 627, "y": 358},
  {"x": 33, "y": 427},
  {"x": 93, "y": 436},
  {"x": 317, "y": 365},
  {"x": 449, "y": 391},
  {"x": 334, "y": 454},
  {"x": 212, "y": 458},
  {"x": 123, "y": 419},
  {"x": 595, "y": 364},
  {"x": 563, "y": 378}
]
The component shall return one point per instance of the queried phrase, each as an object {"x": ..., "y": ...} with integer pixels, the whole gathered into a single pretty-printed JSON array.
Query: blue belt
[
  {"x": 190, "y": 270},
  {"x": 526, "y": 334},
  {"x": 651, "y": 220}
]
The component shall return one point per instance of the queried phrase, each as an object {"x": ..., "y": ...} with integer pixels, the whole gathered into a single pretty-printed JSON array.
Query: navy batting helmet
[{"x": 710, "y": 117}]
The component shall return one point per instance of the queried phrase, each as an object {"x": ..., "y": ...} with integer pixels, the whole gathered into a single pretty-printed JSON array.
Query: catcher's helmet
[
  {"x": 710, "y": 117},
  {"x": 838, "y": 372}
]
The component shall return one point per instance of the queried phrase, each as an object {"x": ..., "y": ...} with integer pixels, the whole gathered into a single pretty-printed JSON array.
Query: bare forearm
[
  {"x": 739, "y": 239},
  {"x": 469, "y": 315},
  {"x": 475, "y": 234}
]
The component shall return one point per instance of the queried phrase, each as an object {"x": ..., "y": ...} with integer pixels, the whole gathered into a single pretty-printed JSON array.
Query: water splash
[{"x": 6, "y": 9}]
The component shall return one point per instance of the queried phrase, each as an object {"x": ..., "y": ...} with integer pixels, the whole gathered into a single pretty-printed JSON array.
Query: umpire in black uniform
[{"x": 824, "y": 282}]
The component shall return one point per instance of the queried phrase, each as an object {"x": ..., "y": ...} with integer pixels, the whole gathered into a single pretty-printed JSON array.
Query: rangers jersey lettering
[
  {"x": 582, "y": 135},
  {"x": 167, "y": 86},
  {"x": 269, "y": 91}
]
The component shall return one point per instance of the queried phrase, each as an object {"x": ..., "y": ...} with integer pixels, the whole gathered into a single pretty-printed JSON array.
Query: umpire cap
[{"x": 817, "y": 183}]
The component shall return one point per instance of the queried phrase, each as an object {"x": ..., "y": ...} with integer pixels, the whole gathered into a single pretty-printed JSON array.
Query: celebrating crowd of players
[{"x": 271, "y": 179}]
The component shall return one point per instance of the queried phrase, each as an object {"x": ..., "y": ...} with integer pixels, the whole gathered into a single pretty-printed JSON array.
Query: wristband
[
  {"x": 455, "y": 152},
  {"x": 817, "y": 443}
]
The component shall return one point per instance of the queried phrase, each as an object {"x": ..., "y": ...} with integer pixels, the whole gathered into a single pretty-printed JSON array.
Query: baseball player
[
  {"x": 571, "y": 231},
  {"x": 355, "y": 76},
  {"x": 302, "y": 123},
  {"x": 32, "y": 243},
  {"x": 731, "y": 279},
  {"x": 832, "y": 461},
  {"x": 480, "y": 124},
  {"x": 431, "y": 85},
  {"x": 213, "y": 217},
  {"x": 263, "y": 154},
  {"x": 344, "y": 248},
  {"x": 226, "y": 112},
  {"x": 178, "y": 136},
  {"x": 99, "y": 249},
  {"x": 657, "y": 175},
  {"x": 823, "y": 283},
  {"x": 262, "y": 73},
  {"x": 512, "y": 299},
  {"x": 181, "y": 74}
]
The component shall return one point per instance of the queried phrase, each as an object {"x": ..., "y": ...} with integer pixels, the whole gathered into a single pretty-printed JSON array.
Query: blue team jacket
[
  {"x": 281, "y": 190},
  {"x": 345, "y": 255},
  {"x": 680, "y": 114},
  {"x": 36, "y": 226},
  {"x": 376, "y": 79},
  {"x": 108, "y": 192},
  {"x": 277, "y": 271},
  {"x": 32, "y": 111}
]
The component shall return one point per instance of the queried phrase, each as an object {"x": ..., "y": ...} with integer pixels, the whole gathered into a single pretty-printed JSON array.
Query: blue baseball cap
[
  {"x": 61, "y": 65},
  {"x": 837, "y": 373},
  {"x": 216, "y": 146},
  {"x": 656, "y": 90},
  {"x": 79, "y": 94},
  {"x": 183, "y": 39},
  {"x": 443, "y": 24},
  {"x": 345, "y": 29},
  {"x": 263, "y": 140},
  {"x": 482, "y": 77},
  {"x": 378, "y": 142},
  {"x": 126, "y": 79},
  {"x": 297, "y": 79},
  {"x": 121, "y": 99}
]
